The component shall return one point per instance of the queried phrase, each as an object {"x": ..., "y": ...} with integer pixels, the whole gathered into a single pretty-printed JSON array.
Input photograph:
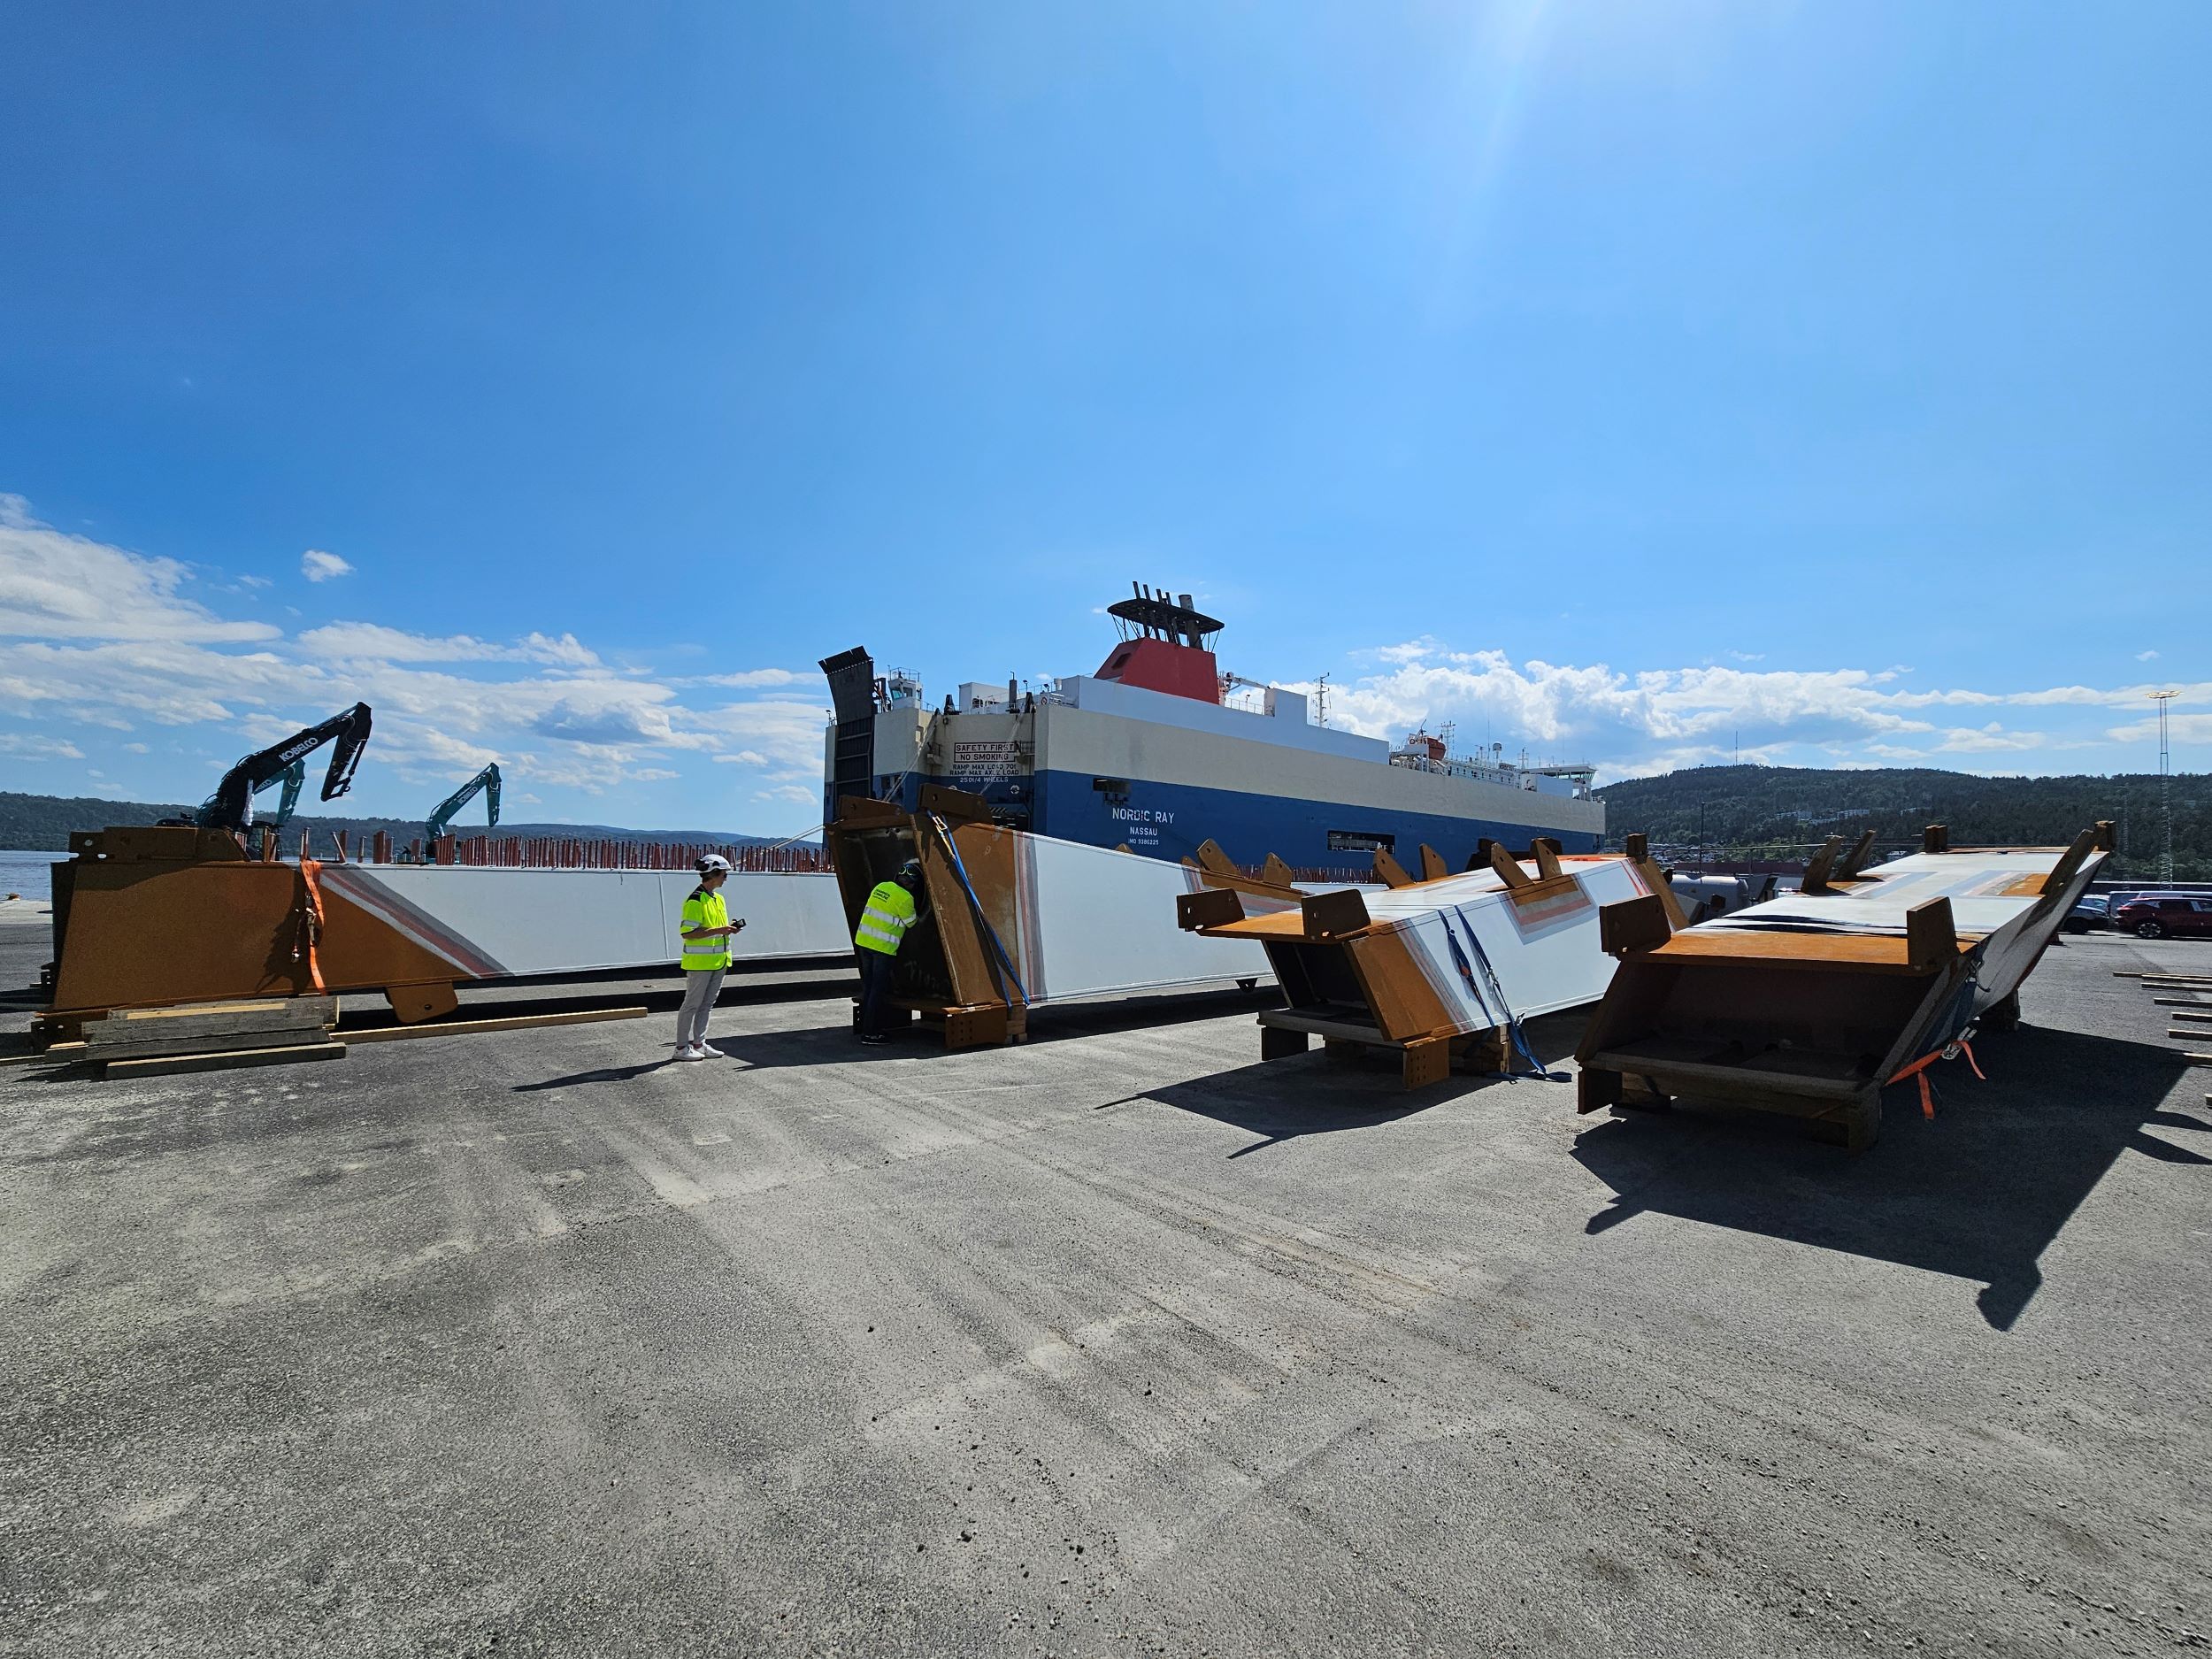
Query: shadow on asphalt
[
  {"x": 1978, "y": 1192},
  {"x": 825, "y": 1044},
  {"x": 1317, "y": 1093}
]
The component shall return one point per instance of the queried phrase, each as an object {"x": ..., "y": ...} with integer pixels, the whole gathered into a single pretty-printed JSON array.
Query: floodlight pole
[{"x": 2165, "y": 788}]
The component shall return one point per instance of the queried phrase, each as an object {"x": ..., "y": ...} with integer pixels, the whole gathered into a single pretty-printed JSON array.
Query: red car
[{"x": 2164, "y": 916}]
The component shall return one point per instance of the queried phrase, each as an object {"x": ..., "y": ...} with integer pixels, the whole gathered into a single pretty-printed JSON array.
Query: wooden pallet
[{"x": 267, "y": 1030}]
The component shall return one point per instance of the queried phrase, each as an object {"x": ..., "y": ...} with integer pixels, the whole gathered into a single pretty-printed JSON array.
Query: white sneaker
[
  {"x": 693, "y": 1053},
  {"x": 706, "y": 1051}
]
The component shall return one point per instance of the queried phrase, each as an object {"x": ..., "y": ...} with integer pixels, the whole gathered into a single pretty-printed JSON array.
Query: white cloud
[
  {"x": 55, "y": 586},
  {"x": 23, "y": 747},
  {"x": 355, "y": 641},
  {"x": 253, "y": 582},
  {"x": 1657, "y": 719},
  {"x": 743, "y": 757},
  {"x": 132, "y": 651},
  {"x": 134, "y": 749},
  {"x": 2147, "y": 657},
  {"x": 562, "y": 653},
  {"x": 2180, "y": 728},
  {"x": 346, "y": 641},
  {"x": 752, "y": 677},
  {"x": 318, "y": 566}
]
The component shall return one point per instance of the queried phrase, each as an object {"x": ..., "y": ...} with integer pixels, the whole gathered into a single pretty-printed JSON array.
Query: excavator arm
[
  {"x": 294, "y": 779},
  {"x": 231, "y": 806},
  {"x": 488, "y": 781}
]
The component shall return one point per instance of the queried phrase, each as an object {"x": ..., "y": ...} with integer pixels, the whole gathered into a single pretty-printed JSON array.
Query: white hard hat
[{"x": 713, "y": 863}]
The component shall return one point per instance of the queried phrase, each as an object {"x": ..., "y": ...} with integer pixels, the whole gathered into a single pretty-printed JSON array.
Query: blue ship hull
[{"x": 1171, "y": 820}]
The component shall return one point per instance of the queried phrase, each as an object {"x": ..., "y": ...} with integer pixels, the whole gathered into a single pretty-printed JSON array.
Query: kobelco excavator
[
  {"x": 488, "y": 781},
  {"x": 231, "y": 806}
]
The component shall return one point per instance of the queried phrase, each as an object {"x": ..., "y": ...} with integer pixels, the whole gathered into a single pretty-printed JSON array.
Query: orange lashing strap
[
  {"x": 1919, "y": 1071},
  {"x": 310, "y": 921}
]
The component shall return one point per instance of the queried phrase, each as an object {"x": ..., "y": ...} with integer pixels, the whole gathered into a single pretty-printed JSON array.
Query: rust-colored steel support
[
  {"x": 147, "y": 917},
  {"x": 950, "y": 970},
  {"x": 1809, "y": 1004},
  {"x": 1436, "y": 972}
]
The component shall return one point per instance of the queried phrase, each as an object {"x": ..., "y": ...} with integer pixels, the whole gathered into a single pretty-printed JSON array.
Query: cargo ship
[{"x": 1159, "y": 751}]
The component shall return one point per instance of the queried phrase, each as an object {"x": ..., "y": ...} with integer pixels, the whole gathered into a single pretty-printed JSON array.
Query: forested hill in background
[
  {"x": 41, "y": 823},
  {"x": 1776, "y": 812}
]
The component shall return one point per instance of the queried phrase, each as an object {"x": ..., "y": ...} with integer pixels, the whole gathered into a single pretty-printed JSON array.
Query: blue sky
[{"x": 1624, "y": 378}]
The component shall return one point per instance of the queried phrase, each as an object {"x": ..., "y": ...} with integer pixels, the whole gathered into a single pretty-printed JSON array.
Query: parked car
[
  {"x": 2092, "y": 909},
  {"x": 2165, "y": 915}
]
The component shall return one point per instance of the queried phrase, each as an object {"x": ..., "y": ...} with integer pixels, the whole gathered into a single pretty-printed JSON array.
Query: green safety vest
[
  {"x": 890, "y": 912},
  {"x": 706, "y": 910}
]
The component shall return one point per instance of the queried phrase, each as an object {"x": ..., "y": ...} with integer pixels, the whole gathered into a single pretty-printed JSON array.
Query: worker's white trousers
[{"x": 702, "y": 986}]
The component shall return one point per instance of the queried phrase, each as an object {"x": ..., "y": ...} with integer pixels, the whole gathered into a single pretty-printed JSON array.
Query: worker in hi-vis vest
[
  {"x": 893, "y": 908},
  {"x": 707, "y": 930}
]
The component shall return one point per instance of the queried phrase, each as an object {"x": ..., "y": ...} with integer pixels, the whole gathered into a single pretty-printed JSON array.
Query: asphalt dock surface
[{"x": 1118, "y": 1342}]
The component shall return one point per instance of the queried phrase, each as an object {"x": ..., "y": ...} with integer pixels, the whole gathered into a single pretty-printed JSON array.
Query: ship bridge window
[
  {"x": 1113, "y": 788},
  {"x": 1361, "y": 841}
]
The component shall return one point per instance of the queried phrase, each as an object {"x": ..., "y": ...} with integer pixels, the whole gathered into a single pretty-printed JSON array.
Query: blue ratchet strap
[
  {"x": 1497, "y": 991},
  {"x": 976, "y": 904},
  {"x": 1956, "y": 1029}
]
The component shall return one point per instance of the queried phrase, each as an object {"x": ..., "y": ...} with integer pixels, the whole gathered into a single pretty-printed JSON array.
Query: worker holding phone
[{"x": 707, "y": 931}]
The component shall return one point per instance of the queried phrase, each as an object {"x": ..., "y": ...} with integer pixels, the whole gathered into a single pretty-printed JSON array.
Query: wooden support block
[
  {"x": 1854, "y": 860},
  {"x": 1332, "y": 915},
  {"x": 1817, "y": 867},
  {"x": 1855, "y": 1128},
  {"x": 1484, "y": 1051},
  {"x": 252, "y": 1013},
  {"x": 1389, "y": 872},
  {"x": 144, "y": 1048},
  {"x": 131, "y": 1033},
  {"x": 1427, "y": 1060},
  {"x": 1276, "y": 1044},
  {"x": 1211, "y": 907},
  {"x": 1594, "y": 1090},
  {"x": 56, "y": 1054},
  {"x": 171, "y": 1065},
  {"x": 987, "y": 1026},
  {"x": 1636, "y": 924},
  {"x": 1931, "y": 941},
  {"x": 472, "y": 1027}
]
